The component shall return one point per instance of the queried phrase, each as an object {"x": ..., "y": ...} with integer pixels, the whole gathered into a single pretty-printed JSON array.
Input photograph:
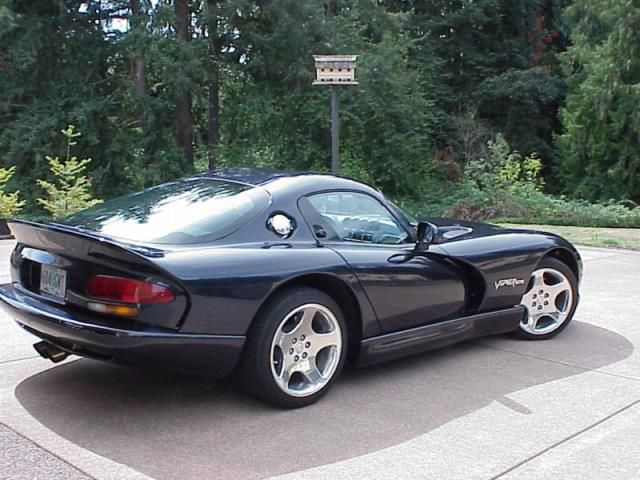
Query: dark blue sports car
[{"x": 278, "y": 278}]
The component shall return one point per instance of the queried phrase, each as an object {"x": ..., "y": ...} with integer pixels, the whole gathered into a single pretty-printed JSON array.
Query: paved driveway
[{"x": 487, "y": 409}]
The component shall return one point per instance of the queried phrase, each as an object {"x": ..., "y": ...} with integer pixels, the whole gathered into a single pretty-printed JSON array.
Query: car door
[{"x": 405, "y": 288}]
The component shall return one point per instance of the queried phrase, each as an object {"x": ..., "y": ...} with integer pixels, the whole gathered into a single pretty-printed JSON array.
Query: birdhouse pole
[
  {"x": 335, "y": 70},
  {"x": 335, "y": 130}
]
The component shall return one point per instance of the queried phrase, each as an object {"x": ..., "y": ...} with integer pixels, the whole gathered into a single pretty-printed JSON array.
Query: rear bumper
[{"x": 214, "y": 355}]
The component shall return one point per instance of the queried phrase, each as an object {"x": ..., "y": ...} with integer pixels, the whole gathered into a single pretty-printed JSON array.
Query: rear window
[{"x": 182, "y": 212}]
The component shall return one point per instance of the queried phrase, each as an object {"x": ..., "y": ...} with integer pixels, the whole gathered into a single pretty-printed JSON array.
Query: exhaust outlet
[{"x": 50, "y": 351}]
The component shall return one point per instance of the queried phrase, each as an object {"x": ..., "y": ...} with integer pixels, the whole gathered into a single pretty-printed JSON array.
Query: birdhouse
[{"x": 335, "y": 69}]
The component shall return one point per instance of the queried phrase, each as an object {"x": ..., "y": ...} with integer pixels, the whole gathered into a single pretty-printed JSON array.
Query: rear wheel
[
  {"x": 296, "y": 348},
  {"x": 550, "y": 300}
]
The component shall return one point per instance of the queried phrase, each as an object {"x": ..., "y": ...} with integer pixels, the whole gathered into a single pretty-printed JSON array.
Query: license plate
[{"x": 53, "y": 281}]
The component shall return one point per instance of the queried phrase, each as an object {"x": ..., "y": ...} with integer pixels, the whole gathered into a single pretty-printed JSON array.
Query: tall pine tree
[{"x": 601, "y": 141}]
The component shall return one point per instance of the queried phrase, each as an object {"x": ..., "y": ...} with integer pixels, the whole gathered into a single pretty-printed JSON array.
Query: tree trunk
[
  {"x": 138, "y": 70},
  {"x": 183, "y": 119},
  {"x": 331, "y": 8},
  {"x": 139, "y": 76},
  {"x": 213, "y": 125}
]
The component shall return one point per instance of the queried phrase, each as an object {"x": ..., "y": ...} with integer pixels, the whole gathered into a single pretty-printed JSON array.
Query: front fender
[{"x": 505, "y": 261}]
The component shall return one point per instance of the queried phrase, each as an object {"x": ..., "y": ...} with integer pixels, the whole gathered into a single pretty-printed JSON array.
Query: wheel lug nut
[
  {"x": 535, "y": 296},
  {"x": 546, "y": 303},
  {"x": 307, "y": 345},
  {"x": 546, "y": 295},
  {"x": 534, "y": 304},
  {"x": 291, "y": 351},
  {"x": 304, "y": 355},
  {"x": 296, "y": 358},
  {"x": 294, "y": 340},
  {"x": 541, "y": 292},
  {"x": 302, "y": 337},
  {"x": 539, "y": 307}
]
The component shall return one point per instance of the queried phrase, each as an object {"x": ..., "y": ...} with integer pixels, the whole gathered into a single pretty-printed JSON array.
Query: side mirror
[{"x": 426, "y": 233}]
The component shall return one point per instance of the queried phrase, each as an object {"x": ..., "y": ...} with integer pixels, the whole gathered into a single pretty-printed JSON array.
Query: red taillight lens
[{"x": 127, "y": 290}]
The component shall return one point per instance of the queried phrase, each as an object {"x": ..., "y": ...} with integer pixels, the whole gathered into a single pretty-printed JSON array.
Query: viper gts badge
[{"x": 508, "y": 282}]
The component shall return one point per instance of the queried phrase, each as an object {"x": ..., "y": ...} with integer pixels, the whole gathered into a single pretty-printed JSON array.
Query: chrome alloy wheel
[
  {"x": 548, "y": 301},
  {"x": 305, "y": 350}
]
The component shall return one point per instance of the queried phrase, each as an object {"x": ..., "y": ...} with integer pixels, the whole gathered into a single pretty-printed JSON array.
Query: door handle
[
  {"x": 400, "y": 258},
  {"x": 277, "y": 245}
]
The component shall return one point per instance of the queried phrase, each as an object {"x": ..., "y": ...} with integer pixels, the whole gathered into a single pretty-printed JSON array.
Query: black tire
[
  {"x": 562, "y": 268},
  {"x": 254, "y": 372}
]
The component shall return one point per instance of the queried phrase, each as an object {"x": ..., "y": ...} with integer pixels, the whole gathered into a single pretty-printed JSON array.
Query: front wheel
[
  {"x": 550, "y": 300},
  {"x": 296, "y": 348}
]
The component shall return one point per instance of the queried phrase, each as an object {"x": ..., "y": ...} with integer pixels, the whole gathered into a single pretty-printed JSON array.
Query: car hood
[{"x": 454, "y": 229}]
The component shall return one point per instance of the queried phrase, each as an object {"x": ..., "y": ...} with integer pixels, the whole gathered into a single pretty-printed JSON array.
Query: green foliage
[
  {"x": 437, "y": 80},
  {"x": 553, "y": 210},
  {"x": 10, "y": 203},
  {"x": 518, "y": 103},
  {"x": 601, "y": 119},
  {"x": 390, "y": 122},
  {"x": 498, "y": 59},
  {"x": 537, "y": 207},
  {"x": 504, "y": 186},
  {"x": 70, "y": 193},
  {"x": 505, "y": 170},
  {"x": 498, "y": 185}
]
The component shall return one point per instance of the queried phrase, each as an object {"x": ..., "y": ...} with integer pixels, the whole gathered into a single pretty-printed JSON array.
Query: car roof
[
  {"x": 295, "y": 182},
  {"x": 252, "y": 176}
]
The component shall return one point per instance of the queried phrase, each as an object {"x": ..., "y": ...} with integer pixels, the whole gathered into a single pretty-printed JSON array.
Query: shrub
[
  {"x": 10, "y": 203},
  {"x": 504, "y": 170},
  {"x": 70, "y": 193},
  {"x": 562, "y": 211},
  {"x": 508, "y": 187}
]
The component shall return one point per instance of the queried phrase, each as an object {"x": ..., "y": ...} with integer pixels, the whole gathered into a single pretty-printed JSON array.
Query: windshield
[{"x": 182, "y": 212}]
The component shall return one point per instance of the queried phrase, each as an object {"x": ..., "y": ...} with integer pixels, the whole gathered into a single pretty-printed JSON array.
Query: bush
[
  {"x": 498, "y": 185},
  {"x": 562, "y": 211},
  {"x": 505, "y": 171},
  {"x": 507, "y": 187}
]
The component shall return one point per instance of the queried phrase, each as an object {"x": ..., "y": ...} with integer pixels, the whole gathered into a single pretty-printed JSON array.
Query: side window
[{"x": 351, "y": 217}]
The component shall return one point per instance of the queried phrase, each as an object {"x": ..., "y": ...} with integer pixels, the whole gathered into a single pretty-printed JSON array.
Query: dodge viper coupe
[{"x": 279, "y": 279}]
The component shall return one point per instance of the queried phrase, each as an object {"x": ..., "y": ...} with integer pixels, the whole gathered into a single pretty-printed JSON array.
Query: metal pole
[{"x": 335, "y": 131}]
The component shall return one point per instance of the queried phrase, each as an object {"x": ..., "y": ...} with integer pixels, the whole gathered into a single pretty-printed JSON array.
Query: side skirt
[{"x": 419, "y": 339}]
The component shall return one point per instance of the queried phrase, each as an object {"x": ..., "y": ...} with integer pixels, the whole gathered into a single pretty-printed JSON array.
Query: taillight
[{"x": 128, "y": 290}]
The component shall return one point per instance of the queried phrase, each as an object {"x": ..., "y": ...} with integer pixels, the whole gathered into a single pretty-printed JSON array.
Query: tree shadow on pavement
[{"x": 185, "y": 427}]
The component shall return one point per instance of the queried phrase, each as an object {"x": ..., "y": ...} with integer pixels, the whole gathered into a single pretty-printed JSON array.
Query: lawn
[{"x": 593, "y": 237}]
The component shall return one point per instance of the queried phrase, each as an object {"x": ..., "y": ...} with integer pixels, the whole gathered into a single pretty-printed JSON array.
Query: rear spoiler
[
  {"x": 86, "y": 246},
  {"x": 33, "y": 233}
]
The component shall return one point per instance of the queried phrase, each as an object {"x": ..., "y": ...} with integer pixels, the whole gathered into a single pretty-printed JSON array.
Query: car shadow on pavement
[{"x": 170, "y": 426}]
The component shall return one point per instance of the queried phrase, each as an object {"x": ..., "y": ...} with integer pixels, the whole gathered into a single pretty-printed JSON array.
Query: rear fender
[
  {"x": 230, "y": 284},
  {"x": 83, "y": 255}
]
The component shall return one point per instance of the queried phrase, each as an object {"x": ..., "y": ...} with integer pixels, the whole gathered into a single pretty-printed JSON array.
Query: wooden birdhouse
[{"x": 335, "y": 69}]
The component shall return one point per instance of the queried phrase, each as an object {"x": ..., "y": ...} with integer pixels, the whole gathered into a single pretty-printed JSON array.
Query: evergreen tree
[
  {"x": 601, "y": 140},
  {"x": 274, "y": 116},
  {"x": 161, "y": 89},
  {"x": 498, "y": 64},
  {"x": 10, "y": 203},
  {"x": 71, "y": 191}
]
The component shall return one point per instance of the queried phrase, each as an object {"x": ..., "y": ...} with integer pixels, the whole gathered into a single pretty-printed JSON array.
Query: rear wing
[
  {"x": 57, "y": 238},
  {"x": 84, "y": 253}
]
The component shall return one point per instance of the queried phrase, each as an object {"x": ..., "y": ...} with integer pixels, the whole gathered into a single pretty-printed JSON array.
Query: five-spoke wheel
[
  {"x": 305, "y": 350},
  {"x": 296, "y": 348},
  {"x": 298, "y": 342},
  {"x": 549, "y": 301}
]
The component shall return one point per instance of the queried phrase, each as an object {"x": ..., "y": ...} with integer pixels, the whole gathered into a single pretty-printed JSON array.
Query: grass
[{"x": 628, "y": 238}]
